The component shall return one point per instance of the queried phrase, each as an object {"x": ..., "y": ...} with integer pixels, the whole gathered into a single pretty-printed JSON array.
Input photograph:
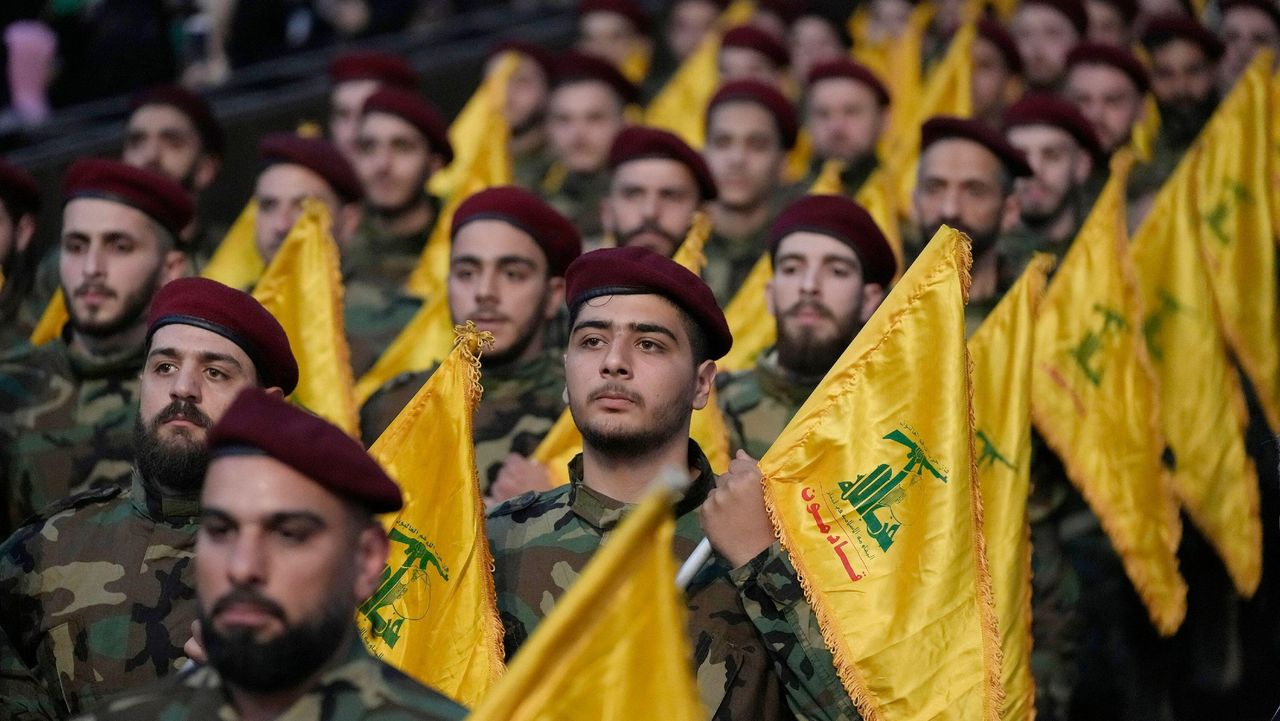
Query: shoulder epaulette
[
  {"x": 513, "y": 504},
  {"x": 75, "y": 500}
]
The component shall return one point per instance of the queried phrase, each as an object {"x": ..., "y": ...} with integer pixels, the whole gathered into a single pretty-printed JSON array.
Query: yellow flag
[
  {"x": 874, "y": 494},
  {"x": 680, "y": 105},
  {"x": 434, "y": 615},
  {"x": 897, "y": 62},
  {"x": 613, "y": 647},
  {"x": 1237, "y": 235},
  {"x": 635, "y": 66},
  {"x": 1094, "y": 401},
  {"x": 302, "y": 287},
  {"x": 51, "y": 320},
  {"x": 707, "y": 427},
  {"x": 749, "y": 319},
  {"x": 480, "y": 125},
  {"x": 1143, "y": 137},
  {"x": 237, "y": 262},
  {"x": 423, "y": 342},
  {"x": 1201, "y": 403},
  {"x": 946, "y": 92},
  {"x": 1001, "y": 352}
]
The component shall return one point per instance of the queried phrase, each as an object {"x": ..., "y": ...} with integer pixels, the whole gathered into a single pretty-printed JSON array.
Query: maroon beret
[
  {"x": 767, "y": 97},
  {"x": 386, "y": 68},
  {"x": 1111, "y": 55},
  {"x": 573, "y": 66},
  {"x": 189, "y": 104},
  {"x": 1073, "y": 10},
  {"x": 163, "y": 200},
  {"x": 414, "y": 109},
  {"x": 306, "y": 443},
  {"x": 628, "y": 9},
  {"x": 638, "y": 142},
  {"x": 1164, "y": 28},
  {"x": 1049, "y": 109},
  {"x": 234, "y": 315},
  {"x": 538, "y": 54},
  {"x": 996, "y": 34},
  {"x": 18, "y": 191},
  {"x": 847, "y": 222},
  {"x": 848, "y": 70},
  {"x": 553, "y": 233},
  {"x": 753, "y": 38},
  {"x": 943, "y": 127},
  {"x": 317, "y": 155},
  {"x": 1263, "y": 6},
  {"x": 640, "y": 271}
]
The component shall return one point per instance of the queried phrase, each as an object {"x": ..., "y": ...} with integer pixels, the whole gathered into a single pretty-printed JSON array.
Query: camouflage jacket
[
  {"x": 66, "y": 424},
  {"x": 759, "y": 402},
  {"x": 96, "y": 594},
  {"x": 578, "y": 197},
  {"x": 520, "y": 404},
  {"x": 383, "y": 259},
  {"x": 730, "y": 260},
  {"x": 529, "y": 169},
  {"x": 373, "y": 317},
  {"x": 355, "y": 686},
  {"x": 756, "y": 644}
]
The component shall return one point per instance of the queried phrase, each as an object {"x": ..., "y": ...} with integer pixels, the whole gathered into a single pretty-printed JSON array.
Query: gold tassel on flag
[
  {"x": 613, "y": 647},
  {"x": 1201, "y": 403},
  {"x": 1001, "y": 351},
  {"x": 435, "y": 615},
  {"x": 874, "y": 494},
  {"x": 302, "y": 288},
  {"x": 1095, "y": 402}
]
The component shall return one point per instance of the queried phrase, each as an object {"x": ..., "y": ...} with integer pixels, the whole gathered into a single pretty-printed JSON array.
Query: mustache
[
  {"x": 184, "y": 410},
  {"x": 613, "y": 389},
  {"x": 94, "y": 287},
  {"x": 649, "y": 226},
  {"x": 811, "y": 305},
  {"x": 246, "y": 597}
]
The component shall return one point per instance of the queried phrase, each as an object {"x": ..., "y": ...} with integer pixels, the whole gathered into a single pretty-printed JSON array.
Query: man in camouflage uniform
[
  {"x": 296, "y": 168},
  {"x": 401, "y": 142},
  {"x": 67, "y": 407},
  {"x": 173, "y": 132},
  {"x": 288, "y": 545},
  {"x": 525, "y": 110},
  {"x": 584, "y": 114},
  {"x": 656, "y": 186},
  {"x": 832, "y": 266},
  {"x": 19, "y": 203},
  {"x": 507, "y": 261},
  {"x": 95, "y": 592},
  {"x": 846, "y": 108},
  {"x": 750, "y": 128},
  {"x": 353, "y": 77},
  {"x": 1062, "y": 149},
  {"x": 640, "y": 359}
]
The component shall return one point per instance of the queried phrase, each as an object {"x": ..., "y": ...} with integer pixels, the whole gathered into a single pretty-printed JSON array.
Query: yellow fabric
[
  {"x": 236, "y": 262},
  {"x": 435, "y": 615},
  {"x": 1201, "y": 403},
  {"x": 946, "y": 92},
  {"x": 873, "y": 491},
  {"x": 51, "y": 320},
  {"x": 1143, "y": 137},
  {"x": 480, "y": 124},
  {"x": 707, "y": 427},
  {"x": 635, "y": 67},
  {"x": 423, "y": 342},
  {"x": 1237, "y": 235},
  {"x": 1001, "y": 352},
  {"x": 680, "y": 105},
  {"x": 749, "y": 319},
  {"x": 1094, "y": 401},
  {"x": 799, "y": 158},
  {"x": 302, "y": 288},
  {"x": 898, "y": 64},
  {"x": 613, "y": 647}
]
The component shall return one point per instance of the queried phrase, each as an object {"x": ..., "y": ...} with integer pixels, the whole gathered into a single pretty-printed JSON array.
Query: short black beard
[
  {"x": 810, "y": 357},
  {"x": 530, "y": 332},
  {"x": 982, "y": 242},
  {"x": 178, "y": 467},
  {"x": 283, "y": 662},
  {"x": 668, "y": 423},
  {"x": 131, "y": 314},
  {"x": 624, "y": 238},
  {"x": 1182, "y": 120}
]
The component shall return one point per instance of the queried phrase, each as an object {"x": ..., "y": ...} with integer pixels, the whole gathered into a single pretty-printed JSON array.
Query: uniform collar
[
  {"x": 87, "y": 366},
  {"x": 151, "y": 502},
  {"x": 603, "y": 512},
  {"x": 779, "y": 382}
]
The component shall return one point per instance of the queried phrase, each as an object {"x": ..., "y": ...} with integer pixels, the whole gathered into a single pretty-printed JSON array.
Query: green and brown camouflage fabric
[
  {"x": 385, "y": 259},
  {"x": 355, "y": 687},
  {"x": 373, "y": 317},
  {"x": 520, "y": 403},
  {"x": 759, "y": 402},
  {"x": 578, "y": 198},
  {"x": 96, "y": 595},
  {"x": 66, "y": 424},
  {"x": 730, "y": 260},
  {"x": 529, "y": 169},
  {"x": 756, "y": 645}
]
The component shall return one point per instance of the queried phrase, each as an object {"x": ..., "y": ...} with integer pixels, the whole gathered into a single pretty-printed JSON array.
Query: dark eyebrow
[
  {"x": 205, "y": 356},
  {"x": 275, "y": 520},
  {"x": 213, "y": 514},
  {"x": 596, "y": 324},
  {"x": 654, "y": 328}
]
